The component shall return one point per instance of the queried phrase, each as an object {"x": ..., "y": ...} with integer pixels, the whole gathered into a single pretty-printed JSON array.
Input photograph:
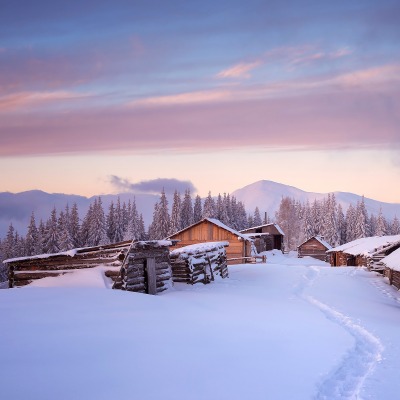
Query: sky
[{"x": 99, "y": 98}]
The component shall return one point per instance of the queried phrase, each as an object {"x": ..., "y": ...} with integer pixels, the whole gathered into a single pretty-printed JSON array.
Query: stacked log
[
  {"x": 199, "y": 263},
  {"x": 23, "y": 271},
  {"x": 146, "y": 268}
]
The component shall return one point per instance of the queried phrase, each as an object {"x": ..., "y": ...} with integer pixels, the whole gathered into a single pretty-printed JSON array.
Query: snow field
[{"x": 289, "y": 329}]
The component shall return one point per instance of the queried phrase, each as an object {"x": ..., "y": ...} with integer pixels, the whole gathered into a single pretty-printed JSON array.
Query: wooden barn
[
  {"x": 24, "y": 270},
  {"x": 392, "y": 268},
  {"x": 315, "y": 247},
  {"x": 213, "y": 230},
  {"x": 266, "y": 237},
  {"x": 366, "y": 252}
]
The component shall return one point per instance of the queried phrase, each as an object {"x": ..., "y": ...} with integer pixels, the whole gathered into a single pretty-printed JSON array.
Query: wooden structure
[
  {"x": 213, "y": 230},
  {"x": 266, "y": 237},
  {"x": 3, "y": 276},
  {"x": 391, "y": 263},
  {"x": 366, "y": 252},
  {"x": 22, "y": 271},
  {"x": 146, "y": 268},
  {"x": 315, "y": 247},
  {"x": 199, "y": 263}
]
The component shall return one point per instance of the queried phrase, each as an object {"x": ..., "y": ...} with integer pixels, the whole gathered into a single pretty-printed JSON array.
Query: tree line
[
  {"x": 65, "y": 230},
  {"x": 326, "y": 218}
]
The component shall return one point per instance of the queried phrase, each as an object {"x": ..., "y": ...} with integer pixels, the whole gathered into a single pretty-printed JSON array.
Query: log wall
[
  {"x": 313, "y": 248},
  {"x": 146, "y": 269},
  {"x": 394, "y": 277},
  {"x": 23, "y": 271},
  {"x": 203, "y": 266}
]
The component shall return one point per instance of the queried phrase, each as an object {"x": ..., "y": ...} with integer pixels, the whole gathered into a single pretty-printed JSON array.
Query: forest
[{"x": 64, "y": 229}]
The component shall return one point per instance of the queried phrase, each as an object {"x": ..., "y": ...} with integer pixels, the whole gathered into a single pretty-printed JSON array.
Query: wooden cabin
[
  {"x": 392, "y": 268},
  {"x": 315, "y": 247},
  {"x": 24, "y": 270},
  {"x": 213, "y": 230},
  {"x": 266, "y": 237},
  {"x": 366, "y": 252},
  {"x": 202, "y": 262}
]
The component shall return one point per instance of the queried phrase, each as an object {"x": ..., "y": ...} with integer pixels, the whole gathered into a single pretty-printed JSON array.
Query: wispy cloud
[
  {"x": 20, "y": 100},
  {"x": 153, "y": 186},
  {"x": 241, "y": 70}
]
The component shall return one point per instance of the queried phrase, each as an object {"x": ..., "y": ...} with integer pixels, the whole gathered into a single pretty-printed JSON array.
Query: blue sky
[{"x": 194, "y": 90}]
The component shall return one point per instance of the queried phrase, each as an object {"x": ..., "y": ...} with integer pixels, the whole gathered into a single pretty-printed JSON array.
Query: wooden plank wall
[
  {"x": 25, "y": 270},
  {"x": 195, "y": 267},
  {"x": 313, "y": 248},
  {"x": 146, "y": 269}
]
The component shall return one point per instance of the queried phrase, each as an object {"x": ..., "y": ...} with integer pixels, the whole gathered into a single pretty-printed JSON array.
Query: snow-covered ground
[{"x": 289, "y": 329}]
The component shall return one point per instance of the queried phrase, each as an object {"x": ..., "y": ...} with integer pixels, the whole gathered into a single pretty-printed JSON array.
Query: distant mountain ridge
[
  {"x": 267, "y": 195},
  {"x": 16, "y": 208}
]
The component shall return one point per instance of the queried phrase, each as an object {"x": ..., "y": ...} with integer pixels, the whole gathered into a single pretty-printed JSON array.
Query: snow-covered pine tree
[
  {"x": 74, "y": 227},
  {"x": 395, "y": 227},
  {"x": 257, "y": 217},
  {"x": 51, "y": 234},
  {"x": 186, "y": 210},
  {"x": 141, "y": 229},
  {"x": 341, "y": 225},
  {"x": 350, "y": 223},
  {"x": 176, "y": 225},
  {"x": 63, "y": 233},
  {"x": 9, "y": 248},
  {"x": 152, "y": 232},
  {"x": 219, "y": 208},
  {"x": 97, "y": 225},
  {"x": 118, "y": 222},
  {"x": 241, "y": 216},
  {"x": 209, "y": 207},
  {"x": 32, "y": 237},
  {"x": 250, "y": 221},
  {"x": 332, "y": 235},
  {"x": 132, "y": 232},
  {"x": 110, "y": 221},
  {"x": 372, "y": 225},
  {"x": 197, "y": 209},
  {"x": 380, "y": 224},
  {"x": 308, "y": 226},
  {"x": 361, "y": 220}
]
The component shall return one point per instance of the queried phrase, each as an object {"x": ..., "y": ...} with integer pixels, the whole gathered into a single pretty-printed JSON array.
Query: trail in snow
[
  {"x": 347, "y": 379},
  {"x": 386, "y": 289}
]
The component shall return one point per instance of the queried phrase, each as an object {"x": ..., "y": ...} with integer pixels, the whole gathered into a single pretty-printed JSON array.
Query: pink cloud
[{"x": 241, "y": 70}]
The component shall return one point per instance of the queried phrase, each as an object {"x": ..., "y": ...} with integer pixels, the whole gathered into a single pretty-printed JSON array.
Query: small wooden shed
[
  {"x": 24, "y": 270},
  {"x": 266, "y": 237},
  {"x": 392, "y": 268},
  {"x": 315, "y": 247},
  {"x": 366, "y": 252},
  {"x": 146, "y": 268},
  {"x": 213, "y": 230}
]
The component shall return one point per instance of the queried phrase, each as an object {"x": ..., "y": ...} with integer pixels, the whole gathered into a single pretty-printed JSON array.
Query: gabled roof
[
  {"x": 214, "y": 222},
  {"x": 319, "y": 238},
  {"x": 278, "y": 228},
  {"x": 367, "y": 246}
]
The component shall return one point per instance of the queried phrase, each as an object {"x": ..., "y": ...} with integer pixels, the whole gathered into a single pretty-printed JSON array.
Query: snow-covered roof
[
  {"x": 392, "y": 261},
  {"x": 215, "y": 222},
  {"x": 278, "y": 228},
  {"x": 367, "y": 246},
  {"x": 200, "y": 248},
  {"x": 322, "y": 241}
]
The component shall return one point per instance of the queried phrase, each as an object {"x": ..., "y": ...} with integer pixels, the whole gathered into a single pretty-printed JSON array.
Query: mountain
[
  {"x": 267, "y": 195},
  {"x": 17, "y": 207}
]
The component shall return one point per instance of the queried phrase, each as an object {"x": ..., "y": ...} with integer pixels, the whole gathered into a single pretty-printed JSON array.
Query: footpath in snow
[{"x": 289, "y": 329}]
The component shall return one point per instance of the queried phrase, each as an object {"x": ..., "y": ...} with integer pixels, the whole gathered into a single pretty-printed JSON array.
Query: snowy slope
[
  {"x": 267, "y": 196},
  {"x": 278, "y": 331}
]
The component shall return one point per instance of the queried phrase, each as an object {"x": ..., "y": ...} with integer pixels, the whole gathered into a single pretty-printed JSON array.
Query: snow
[
  {"x": 367, "y": 246},
  {"x": 289, "y": 329},
  {"x": 392, "y": 261},
  {"x": 200, "y": 248},
  {"x": 69, "y": 253}
]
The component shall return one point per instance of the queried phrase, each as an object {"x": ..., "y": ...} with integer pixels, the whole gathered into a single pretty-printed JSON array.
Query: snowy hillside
[
  {"x": 267, "y": 196},
  {"x": 280, "y": 330}
]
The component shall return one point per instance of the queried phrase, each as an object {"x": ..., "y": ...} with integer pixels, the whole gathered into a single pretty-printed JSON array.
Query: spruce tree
[
  {"x": 186, "y": 210},
  {"x": 176, "y": 225},
  {"x": 209, "y": 207},
  {"x": 197, "y": 209},
  {"x": 257, "y": 217},
  {"x": 32, "y": 237}
]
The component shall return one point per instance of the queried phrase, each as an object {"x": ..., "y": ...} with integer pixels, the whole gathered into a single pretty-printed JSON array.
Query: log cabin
[
  {"x": 315, "y": 247},
  {"x": 240, "y": 247},
  {"x": 266, "y": 237},
  {"x": 366, "y": 252}
]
